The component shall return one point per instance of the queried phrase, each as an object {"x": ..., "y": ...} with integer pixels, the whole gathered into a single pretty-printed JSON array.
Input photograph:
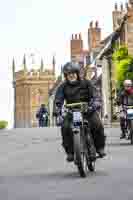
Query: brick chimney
[{"x": 94, "y": 36}]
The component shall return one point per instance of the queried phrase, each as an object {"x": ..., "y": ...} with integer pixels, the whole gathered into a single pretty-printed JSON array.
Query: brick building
[{"x": 82, "y": 56}]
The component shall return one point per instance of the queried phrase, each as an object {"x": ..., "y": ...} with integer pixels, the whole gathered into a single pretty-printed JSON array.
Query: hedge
[{"x": 3, "y": 124}]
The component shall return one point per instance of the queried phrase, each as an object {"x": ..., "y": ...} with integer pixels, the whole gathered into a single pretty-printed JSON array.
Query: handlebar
[
  {"x": 72, "y": 105},
  {"x": 129, "y": 106}
]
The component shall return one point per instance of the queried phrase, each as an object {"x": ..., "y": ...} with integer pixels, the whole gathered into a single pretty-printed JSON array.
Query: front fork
[{"x": 127, "y": 128}]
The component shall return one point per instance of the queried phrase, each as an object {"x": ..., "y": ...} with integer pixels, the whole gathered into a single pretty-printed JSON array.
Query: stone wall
[{"x": 31, "y": 91}]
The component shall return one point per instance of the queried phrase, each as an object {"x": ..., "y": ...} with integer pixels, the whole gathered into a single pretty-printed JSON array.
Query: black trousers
[
  {"x": 123, "y": 124},
  {"x": 42, "y": 123},
  {"x": 97, "y": 131}
]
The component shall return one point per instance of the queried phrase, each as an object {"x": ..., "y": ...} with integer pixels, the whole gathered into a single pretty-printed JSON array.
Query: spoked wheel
[
  {"x": 127, "y": 135},
  {"x": 91, "y": 166},
  {"x": 83, "y": 165},
  {"x": 80, "y": 155}
]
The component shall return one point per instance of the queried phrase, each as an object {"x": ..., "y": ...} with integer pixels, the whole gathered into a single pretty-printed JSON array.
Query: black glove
[
  {"x": 94, "y": 106},
  {"x": 91, "y": 109},
  {"x": 59, "y": 120},
  {"x": 57, "y": 112},
  {"x": 57, "y": 109},
  {"x": 98, "y": 106}
]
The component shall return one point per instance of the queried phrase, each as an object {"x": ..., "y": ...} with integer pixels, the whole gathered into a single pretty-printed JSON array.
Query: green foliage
[
  {"x": 120, "y": 54},
  {"x": 3, "y": 124},
  {"x": 122, "y": 61}
]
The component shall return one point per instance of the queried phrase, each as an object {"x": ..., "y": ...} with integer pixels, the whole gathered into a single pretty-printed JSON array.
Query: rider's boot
[
  {"x": 92, "y": 154},
  {"x": 70, "y": 157},
  {"x": 129, "y": 136},
  {"x": 70, "y": 154},
  {"x": 123, "y": 135},
  {"x": 101, "y": 153}
]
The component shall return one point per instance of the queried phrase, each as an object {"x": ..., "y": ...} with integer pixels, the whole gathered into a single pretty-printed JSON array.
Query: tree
[{"x": 124, "y": 65}]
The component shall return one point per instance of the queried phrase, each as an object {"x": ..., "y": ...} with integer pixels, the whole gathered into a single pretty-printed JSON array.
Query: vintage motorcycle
[
  {"x": 127, "y": 114},
  {"x": 84, "y": 148},
  {"x": 129, "y": 119}
]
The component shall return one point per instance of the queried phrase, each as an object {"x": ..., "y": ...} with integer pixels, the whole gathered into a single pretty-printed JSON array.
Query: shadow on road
[
  {"x": 55, "y": 176},
  {"x": 119, "y": 144},
  {"x": 125, "y": 144}
]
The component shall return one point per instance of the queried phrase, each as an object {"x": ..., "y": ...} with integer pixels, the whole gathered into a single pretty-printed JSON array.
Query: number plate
[
  {"x": 130, "y": 111},
  {"x": 77, "y": 117}
]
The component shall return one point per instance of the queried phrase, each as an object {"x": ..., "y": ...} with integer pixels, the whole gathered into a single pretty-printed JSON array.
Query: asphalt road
[{"x": 33, "y": 167}]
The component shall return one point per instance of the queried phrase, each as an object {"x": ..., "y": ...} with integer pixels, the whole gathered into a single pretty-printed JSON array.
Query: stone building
[
  {"x": 30, "y": 91},
  {"x": 122, "y": 35},
  {"x": 123, "y": 25},
  {"x": 126, "y": 33},
  {"x": 52, "y": 92}
]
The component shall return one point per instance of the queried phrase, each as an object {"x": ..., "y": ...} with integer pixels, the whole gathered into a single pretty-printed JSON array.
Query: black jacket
[
  {"x": 124, "y": 99},
  {"x": 81, "y": 91},
  {"x": 41, "y": 112}
]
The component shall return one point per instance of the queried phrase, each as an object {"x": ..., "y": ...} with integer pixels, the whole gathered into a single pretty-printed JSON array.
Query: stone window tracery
[{"x": 37, "y": 97}]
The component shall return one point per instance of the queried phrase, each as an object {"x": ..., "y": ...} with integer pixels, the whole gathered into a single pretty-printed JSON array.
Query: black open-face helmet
[{"x": 71, "y": 67}]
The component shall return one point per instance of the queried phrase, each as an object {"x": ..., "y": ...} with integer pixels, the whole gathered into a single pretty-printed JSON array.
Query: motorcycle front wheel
[{"x": 80, "y": 155}]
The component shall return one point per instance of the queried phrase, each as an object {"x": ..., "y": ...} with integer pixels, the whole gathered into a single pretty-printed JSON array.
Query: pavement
[{"x": 33, "y": 167}]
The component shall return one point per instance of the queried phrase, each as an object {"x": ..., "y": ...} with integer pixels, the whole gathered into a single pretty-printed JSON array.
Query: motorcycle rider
[
  {"x": 42, "y": 116},
  {"x": 75, "y": 90},
  {"x": 125, "y": 98}
]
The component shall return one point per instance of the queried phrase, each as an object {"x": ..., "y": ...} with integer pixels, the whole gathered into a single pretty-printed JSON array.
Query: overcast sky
[{"x": 43, "y": 27}]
